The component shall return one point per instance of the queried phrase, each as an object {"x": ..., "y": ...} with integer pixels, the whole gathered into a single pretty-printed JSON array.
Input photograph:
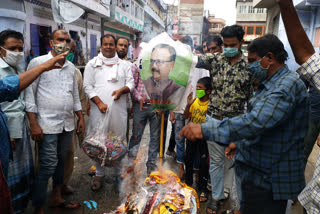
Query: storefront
[
  {"x": 40, "y": 24},
  {"x": 126, "y": 20}
]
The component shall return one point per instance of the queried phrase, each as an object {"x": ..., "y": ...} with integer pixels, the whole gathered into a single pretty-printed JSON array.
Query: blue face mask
[
  {"x": 257, "y": 71},
  {"x": 230, "y": 52}
]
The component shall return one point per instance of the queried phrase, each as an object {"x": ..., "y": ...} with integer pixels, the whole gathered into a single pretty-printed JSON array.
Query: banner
[{"x": 165, "y": 66}]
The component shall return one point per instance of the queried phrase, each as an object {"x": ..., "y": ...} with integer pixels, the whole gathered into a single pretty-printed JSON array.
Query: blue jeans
[
  {"x": 140, "y": 119},
  {"x": 53, "y": 151},
  {"x": 220, "y": 172},
  {"x": 179, "y": 124}
]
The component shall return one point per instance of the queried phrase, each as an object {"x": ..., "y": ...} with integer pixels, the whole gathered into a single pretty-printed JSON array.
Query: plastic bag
[
  {"x": 105, "y": 141},
  {"x": 165, "y": 66}
]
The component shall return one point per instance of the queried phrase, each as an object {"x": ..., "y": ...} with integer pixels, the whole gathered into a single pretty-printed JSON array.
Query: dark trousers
[
  {"x": 200, "y": 148},
  {"x": 172, "y": 142},
  {"x": 310, "y": 138},
  {"x": 257, "y": 200}
]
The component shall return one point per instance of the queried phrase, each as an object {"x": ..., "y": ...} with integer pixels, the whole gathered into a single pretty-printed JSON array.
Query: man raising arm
[{"x": 302, "y": 48}]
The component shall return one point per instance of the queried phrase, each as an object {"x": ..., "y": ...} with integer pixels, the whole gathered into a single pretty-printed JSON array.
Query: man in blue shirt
[{"x": 270, "y": 136}]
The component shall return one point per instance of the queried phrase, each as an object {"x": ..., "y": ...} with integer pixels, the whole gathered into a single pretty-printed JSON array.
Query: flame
[{"x": 166, "y": 176}]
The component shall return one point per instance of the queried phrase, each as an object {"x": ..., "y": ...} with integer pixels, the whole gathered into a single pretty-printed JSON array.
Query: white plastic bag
[{"x": 105, "y": 140}]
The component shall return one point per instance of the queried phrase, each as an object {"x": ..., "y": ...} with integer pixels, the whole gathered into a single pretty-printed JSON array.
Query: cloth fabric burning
[{"x": 162, "y": 193}]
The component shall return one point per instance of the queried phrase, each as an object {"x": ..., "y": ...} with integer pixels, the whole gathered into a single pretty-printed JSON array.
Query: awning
[{"x": 100, "y": 8}]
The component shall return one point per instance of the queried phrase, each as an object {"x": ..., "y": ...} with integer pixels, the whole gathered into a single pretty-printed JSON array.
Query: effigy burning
[{"x": 161, "y": 193}]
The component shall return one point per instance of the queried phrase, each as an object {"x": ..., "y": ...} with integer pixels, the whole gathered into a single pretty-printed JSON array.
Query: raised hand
[
  {"x": 190, "y": 99},
  {"x": 56, "y": 62}
]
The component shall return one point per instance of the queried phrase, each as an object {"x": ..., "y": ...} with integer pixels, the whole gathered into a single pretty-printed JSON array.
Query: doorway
[
  {"x": 73, "y": 34},
  {"x": 40, "y": 39},
  {"x": 93, "y": 45}
]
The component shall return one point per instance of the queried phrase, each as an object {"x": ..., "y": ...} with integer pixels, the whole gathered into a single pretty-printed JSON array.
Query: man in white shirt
[
  {"x": 106, "y": 79},
  {"x": 50, "y": 104}
]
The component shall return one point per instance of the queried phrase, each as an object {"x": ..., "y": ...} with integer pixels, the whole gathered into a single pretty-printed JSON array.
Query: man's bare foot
[
  {"x": 38, "y": 210},
  {"x": 181, "y": 170},
  {"x": 196, "y": 175},
  {"x": 61, "y": 203},
  {"x": 55, "y": 201}
]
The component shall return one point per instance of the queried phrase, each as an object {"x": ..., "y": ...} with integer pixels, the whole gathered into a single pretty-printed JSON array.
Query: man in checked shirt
[
  {"x": 270, "y": 136},
  {"x": 232, "y": 89},
  {"x": 309, "y": 70},
  {"x": 142, "y": 112}
]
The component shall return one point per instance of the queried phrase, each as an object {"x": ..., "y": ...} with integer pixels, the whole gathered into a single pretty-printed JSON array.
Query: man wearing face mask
[
  {"x": 231, "y": 82},
  {"x": 270, "y": 136},
  {"x": 19, "y": 173},
  {"x": 10, "y": 88},
  {"x": 51, "y": 102},
  {"x": 76, "y": 137}
]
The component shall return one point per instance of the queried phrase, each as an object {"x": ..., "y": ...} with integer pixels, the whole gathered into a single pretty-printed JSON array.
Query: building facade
[
  {"x": 212, "y": 25},
  {"x": 172, "y": 21},
  {"x": 190, "y": 16},
  {"x": 253, "y": 20},
  {"x": 126, "y": 20},
  {"x": 40, "y": 24},
  {"x": 12, "y": 16},
  {"x": 309, "y": 15},
  {"x": 215, "y": 25},
  {"x": 155, "y": 17}
]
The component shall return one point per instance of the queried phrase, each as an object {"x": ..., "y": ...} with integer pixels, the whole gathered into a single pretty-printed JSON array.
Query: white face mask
[{"x": 13, "y": 58}]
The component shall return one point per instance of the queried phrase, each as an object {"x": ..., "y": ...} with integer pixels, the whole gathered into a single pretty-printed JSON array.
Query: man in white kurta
[{"x": 106, "y": 79}]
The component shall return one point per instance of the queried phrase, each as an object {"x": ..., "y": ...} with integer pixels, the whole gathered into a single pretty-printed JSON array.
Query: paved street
[{"x": 111, "y": 195}]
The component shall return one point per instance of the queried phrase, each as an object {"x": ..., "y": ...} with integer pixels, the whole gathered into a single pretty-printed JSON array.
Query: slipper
[
  {"x": 209, "y": 187},
  {"x": 212, "y": 207},
  {"x": 226, "y": 194},
  {"x": 204, "y": 197},
  {"x": 171, "y": 154},
  {"x": 67, "y": 205}
]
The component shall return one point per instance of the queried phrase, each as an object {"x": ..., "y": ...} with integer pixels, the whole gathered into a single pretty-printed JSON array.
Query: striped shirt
[
  {"x": 310, "y": 70},
  {"x": 138, "y": 91},
  {"x": 310, "y": 196}
]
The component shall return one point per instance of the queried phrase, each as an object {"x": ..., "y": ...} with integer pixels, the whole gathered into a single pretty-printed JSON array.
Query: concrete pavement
[{"x": 112, "y": 194}]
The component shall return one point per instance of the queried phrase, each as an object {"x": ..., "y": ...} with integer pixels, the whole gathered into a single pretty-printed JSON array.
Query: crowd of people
[{"x": 247, "y": 118}]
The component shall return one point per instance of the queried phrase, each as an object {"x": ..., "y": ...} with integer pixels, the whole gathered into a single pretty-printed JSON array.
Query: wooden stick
[{"x": 161, "y": 137}]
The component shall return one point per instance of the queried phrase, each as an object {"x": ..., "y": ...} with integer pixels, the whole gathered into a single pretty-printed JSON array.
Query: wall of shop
[{"x": 41, "y": 15}]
